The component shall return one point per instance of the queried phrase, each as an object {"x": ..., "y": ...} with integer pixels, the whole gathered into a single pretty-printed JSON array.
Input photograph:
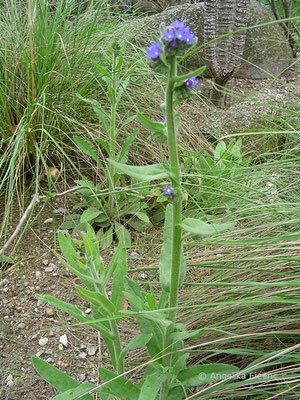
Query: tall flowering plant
[{"x": 167, "y": 376}]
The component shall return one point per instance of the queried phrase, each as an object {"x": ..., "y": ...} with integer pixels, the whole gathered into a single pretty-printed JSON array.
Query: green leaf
[
  {"x": 106, "y": 238},
  {"x": 119, "y": 276},
  {"x": 85, "y": 147},
  {"x": 160, "y": 137},
  {"x": 73, "y": 394},
  {"x": 152, "y": 126},
  {"x": 151, "y": 385},
  {"x": 123, "y": 234},
  {"x": 142, "y": 216},
  {"x": 120, "y": 387},
  {"x": 106, "y": 307},
  {"x": 165, "y": 266},
  {"x": 55, "y": 377},
  {"x": 191, "y": 74},
  {"x": 203, "y": 374},
  {"x": 135, "y": 343},
  {"x": 143, "y": 173},
  {"x": 76, "y": 313},
  {"x": 89, "y": 214},
  {"x": 198, "y": 227},
  {"x": 122, "y": 156}
]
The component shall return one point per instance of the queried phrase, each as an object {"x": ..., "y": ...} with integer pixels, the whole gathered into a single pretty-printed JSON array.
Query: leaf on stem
[
  {"x": 144, "y": 173},
  {"x": 203, "y": 374},
  {"x": 55, "y": 377},
  {"x": 198, "y": 227},
  {"x": 165, "y": 266}
]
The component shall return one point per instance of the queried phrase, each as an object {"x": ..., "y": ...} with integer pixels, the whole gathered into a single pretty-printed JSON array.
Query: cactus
[{"x": 223, "y": 57}]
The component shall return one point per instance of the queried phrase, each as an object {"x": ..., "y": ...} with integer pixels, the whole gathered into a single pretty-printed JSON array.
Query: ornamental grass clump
[{"x": 166, "y": 374}]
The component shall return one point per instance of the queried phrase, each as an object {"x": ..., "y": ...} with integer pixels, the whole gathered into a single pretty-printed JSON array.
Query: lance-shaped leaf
[
  {"x": 151, "y": 385},
  {"x": 76, "y": 313},
  {"x": 181, "y": 78},
  {"x": 75, "y": 393},
  {"x": 120, "y": 387},
  {"x": 55, "y": 377},
  {"x": 198, "y": 227},
  {"x": 143, "y": 173},
  {"x": 165, "y": 266},
  {"x": 85, "y": 147},
  {"x": 135, "y": 343},
  {"x": 203, "y": 374},
  {"x": 106, "y": 307},
  {"x": 151, "y": 125}
]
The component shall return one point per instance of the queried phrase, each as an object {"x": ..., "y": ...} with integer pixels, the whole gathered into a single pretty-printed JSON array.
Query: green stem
[
  {"x": 112, "y": 134},
  {"x": 177, "y": 211}
]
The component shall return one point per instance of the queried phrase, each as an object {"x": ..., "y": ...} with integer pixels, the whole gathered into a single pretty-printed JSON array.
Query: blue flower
[
  {"x": 169, "y": 34},
  {"x": 189, "y": 37},
  {"x": 163, "y": 121},
  {"x": 153, "y": 51},
  {"x": 168, "y": 191},
  {"x": 191, "y": 82}
]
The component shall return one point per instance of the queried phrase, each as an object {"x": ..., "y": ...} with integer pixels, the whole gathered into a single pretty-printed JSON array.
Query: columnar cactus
[{"x": 223, "y": 57}]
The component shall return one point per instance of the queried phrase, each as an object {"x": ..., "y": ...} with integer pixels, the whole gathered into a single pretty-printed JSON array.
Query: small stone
[
  {"x": 38, "y": 275},
  {"x": 48, "y": 221},
  {"x": 43, "y": 341},
  {"x": 142, "y": 275},
  {"x": 21, "y": 325},
  {"x": 4, "y": 282},
  {"x": 39, "y": 353},
  {"x": 82, "y": 377},
  {"x": 88, "y": 311},
  {"x": 63, "y": 340},
  {"x": 134, "y": 254},
  {"x": 60, "y": 210},
  {"x": 91, "y": 350},
  {"x": 45, "y": 262},
  {"x": 49, "y": 311},
  {"x": 48, "y": 269},
  {"x": 49, "y": 360},
  {"x": 39, "y": 303},
  {"x": 51, "y": 334},
  {"x": 60, "y": 347},
  {"x": 53, "y": 266}
]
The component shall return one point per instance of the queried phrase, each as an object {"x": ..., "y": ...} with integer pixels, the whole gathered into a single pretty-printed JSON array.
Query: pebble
[
  {"x": 38, "y": 275},
  {"x": 43, "y": 341},
  {"x": 48, "y": 221},
  {"x": 39, "y": 353},
  {"x": 134, "y": 254},
  {"x": 21, "y": 325},
  {"x": 53, "y": 266},
  {"x": 4, "y": 282},
  {"x": 39, "y": 303},
  {"x": 9, "y": 381},
  {"x": 60, "y": 347},
  {"x": 60, "y": 210},
  {"x": 49, "y": 311},
  {"x": 63, "y": 340},
  {"x": 142, "y": 275},
  {"x": 82, "y": 377},
  {"x": 49, "y": 360},
  {"x": 45, "y": 262},
  {"x": 91, "y": 350},
  {"x": 88, "y": 311},
  {"x": 48, "y": 269}
]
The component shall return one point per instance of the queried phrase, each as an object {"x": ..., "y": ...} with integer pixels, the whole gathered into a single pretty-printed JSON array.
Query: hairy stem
[{"x": 177, "y": 211}]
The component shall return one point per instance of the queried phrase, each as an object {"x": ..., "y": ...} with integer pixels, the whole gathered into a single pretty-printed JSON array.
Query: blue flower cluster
[
  {"x": 175, "y": 36},
  {"x": 178, "y": 31}
]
